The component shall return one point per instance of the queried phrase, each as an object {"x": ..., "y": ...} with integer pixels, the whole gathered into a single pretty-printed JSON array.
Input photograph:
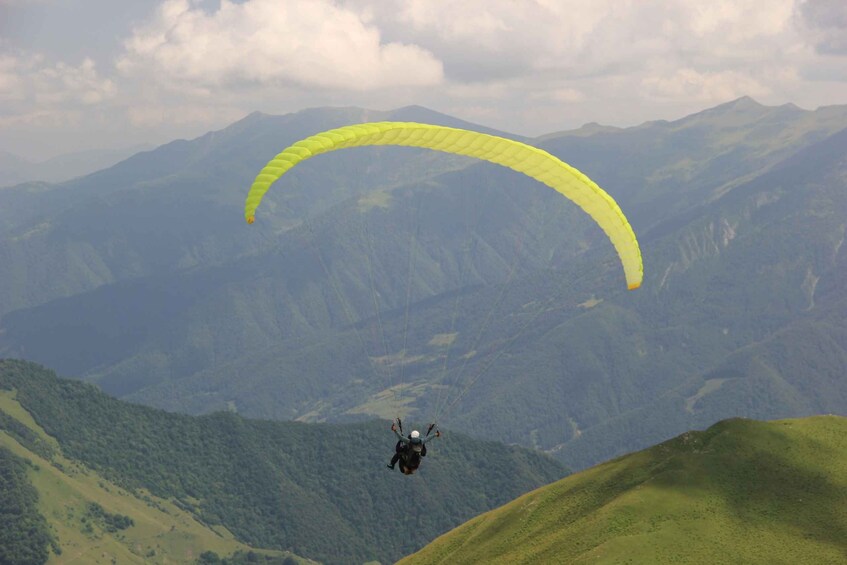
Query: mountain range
[
  {"x": 386, "y": 281},
  {"x": 16, "y": 170}
]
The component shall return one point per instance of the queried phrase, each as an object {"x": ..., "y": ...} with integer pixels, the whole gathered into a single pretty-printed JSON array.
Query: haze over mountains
[
  {"x": 15, "y": 170},
  {"x": 459, "y": 288}
]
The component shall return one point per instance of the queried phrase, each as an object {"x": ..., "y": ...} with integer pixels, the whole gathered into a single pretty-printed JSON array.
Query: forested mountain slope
[
  {"x": 385, "y": 281},
  {"x": 319, "y": 490}
]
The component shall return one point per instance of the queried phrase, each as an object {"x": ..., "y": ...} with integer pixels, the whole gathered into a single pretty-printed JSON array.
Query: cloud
[
  {"x": 11, "y": 79},
  {"x": 149, "y": 116},
  {"x": 528, "y": 66},
  {"x": 482, "y": 39},
  {"x": 824, "y": 22},
  {"x": 28, "y": 77},
  {"x": 600, "y": 59},
  {"x": 315, "y": 44},
  {"x": 40, "y": 118},
  {"x": 560, "y": 95},
  {"x": 62, "y": 83},
  {"x": 35, "y": 92},
  {"x": 705, "y": 87}
]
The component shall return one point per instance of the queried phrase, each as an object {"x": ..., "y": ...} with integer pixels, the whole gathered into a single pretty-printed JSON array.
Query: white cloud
[
  {"x": 62, "y": 84},
  {"x": 38, "y": 93},
  {"x": 736, "y": 21},
  {"x": 40, "y": 119},
  {"x": 563, "y": 95},
  {"x": 578, "y": 38},
  {"x": 708, "y": 87},
  {"x": 601, "y": 60},
  {"x": 483, "y": 40},
  {"x": 314, "y": 44},
  {"x": 147, "y": 116},
  {"x": 527, "y": 66},
  {"x": 29, "y": 77},
  {"x": 483, "y": 24},
  {"x": 11, "y": 79}
]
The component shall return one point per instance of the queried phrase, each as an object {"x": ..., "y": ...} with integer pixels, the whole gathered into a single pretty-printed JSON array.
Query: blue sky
[{"x": 98, "y": 73}]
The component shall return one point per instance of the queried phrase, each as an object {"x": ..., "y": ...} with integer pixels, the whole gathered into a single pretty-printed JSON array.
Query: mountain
[
  {"x": 16, "y": 170},
  {"x": 11, "y": 166},
  {"x": 172, "y": 483},
  {"x": 762, "y": 271},
  {"x": 54, "y": 507},
  {"x": 178, "y": 207},
  {"x": 741, "y": 491},
  {"x": 393, "y": 280}
]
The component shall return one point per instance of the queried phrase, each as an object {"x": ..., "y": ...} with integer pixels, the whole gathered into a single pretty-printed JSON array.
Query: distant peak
[
  {"x": 416, "y": 112},
  {"x": 585, "y": 130},
  {"x": 744, "y": 106},
  {"x": 256, "y": 116},
  {"x": 743, "y": 103},
  {"x": 251, "y": 118},
  {"x": 594, "y": 127},
  {"x": 413, "y": 108},
  {"x": 746, "y": 100}
]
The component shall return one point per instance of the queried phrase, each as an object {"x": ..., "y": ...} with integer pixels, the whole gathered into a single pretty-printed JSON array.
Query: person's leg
[
  {"x": 398, "y": 450},
  {"x": 394, "y": 460}
]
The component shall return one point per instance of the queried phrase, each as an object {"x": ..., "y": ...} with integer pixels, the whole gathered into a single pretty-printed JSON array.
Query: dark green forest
[
  {"x": 243, "y": 558},
  {"x": 25, "y": 537},
  {"x": 319, "y": 490}
]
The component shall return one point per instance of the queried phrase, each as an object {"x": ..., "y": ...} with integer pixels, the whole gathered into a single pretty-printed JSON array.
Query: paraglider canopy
[{"x": 521, "y": 157}]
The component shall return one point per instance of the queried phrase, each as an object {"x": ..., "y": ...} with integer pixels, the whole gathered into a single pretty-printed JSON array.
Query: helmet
[{"x": 415, "y": 440}]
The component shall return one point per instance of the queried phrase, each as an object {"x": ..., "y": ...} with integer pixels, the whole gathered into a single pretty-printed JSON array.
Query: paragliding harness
[{"x": 411, "y": 453}]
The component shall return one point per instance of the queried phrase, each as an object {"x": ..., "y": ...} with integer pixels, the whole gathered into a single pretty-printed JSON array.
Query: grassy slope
[
  {"x": 742, "y": 491},
  {"x": 277, "y": 484},
  {"x": 162, "y": 533}
]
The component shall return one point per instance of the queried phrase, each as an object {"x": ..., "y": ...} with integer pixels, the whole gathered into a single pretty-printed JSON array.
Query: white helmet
[{"x": 415, "y": 434}]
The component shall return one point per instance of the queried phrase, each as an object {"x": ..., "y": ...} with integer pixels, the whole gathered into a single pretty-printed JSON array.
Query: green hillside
[
  {"x": 742, "y": 491},
  {"x": 321, "y": 491},
  {"x": 72, "y": 514}
]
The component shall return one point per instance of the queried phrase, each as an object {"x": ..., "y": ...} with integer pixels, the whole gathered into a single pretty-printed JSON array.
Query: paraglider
[
  {"x": 532, "y": 161},
  {"x": 410, "y": 449}
]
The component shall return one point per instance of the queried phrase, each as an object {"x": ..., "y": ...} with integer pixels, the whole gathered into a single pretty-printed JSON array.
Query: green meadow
[{"x": 742, "y": 491}]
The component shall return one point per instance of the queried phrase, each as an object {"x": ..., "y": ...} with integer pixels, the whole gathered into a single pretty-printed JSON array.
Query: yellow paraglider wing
[{"x": 521, "y": 157}]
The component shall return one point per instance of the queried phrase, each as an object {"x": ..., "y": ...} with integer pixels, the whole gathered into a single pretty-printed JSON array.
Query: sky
[{"x": 89, "y": 74}]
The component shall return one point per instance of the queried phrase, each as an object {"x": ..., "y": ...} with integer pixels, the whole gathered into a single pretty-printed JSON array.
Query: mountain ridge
[
  {"x": 740, "y": 491},
  {"x": 233, "y": 316}
]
